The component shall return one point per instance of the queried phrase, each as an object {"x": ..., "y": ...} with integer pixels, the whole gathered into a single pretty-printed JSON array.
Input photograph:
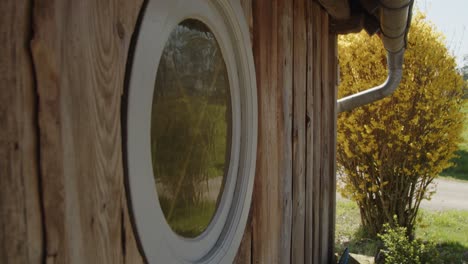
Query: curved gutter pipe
[
  {"x": 395, "y": 18},
  {"x": 395, "y": 73}
]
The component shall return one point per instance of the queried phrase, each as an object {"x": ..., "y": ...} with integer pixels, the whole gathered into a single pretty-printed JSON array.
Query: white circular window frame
[{"x": 221, "y": 240}]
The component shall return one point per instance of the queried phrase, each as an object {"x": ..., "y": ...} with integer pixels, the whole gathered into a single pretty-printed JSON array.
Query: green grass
[
  {"x": 448, "y": 229},
  {"x": 348, "y": 231},
  {"x": 460, "y": 170},
  {"x": 464, "y": 144},
  {"x": 191, "y": 220}
]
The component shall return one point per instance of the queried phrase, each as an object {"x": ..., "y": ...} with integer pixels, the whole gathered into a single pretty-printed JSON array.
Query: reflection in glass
[{"x": 190, "y": 128}]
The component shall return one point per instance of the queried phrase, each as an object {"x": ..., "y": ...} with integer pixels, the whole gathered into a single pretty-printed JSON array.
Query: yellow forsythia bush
[{"x": 390, "y": 151}]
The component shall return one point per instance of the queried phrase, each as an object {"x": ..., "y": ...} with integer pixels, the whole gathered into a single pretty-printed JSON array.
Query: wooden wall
[
  {"x": 62, "y": 194},
  {"x": 21, "y": 229},
  {"x": 62, "y": 68},
  {"x": 293, "y": 210}
]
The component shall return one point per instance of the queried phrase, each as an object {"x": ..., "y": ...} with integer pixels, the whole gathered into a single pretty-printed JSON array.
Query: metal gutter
[
  {"x": 395, "y": 72},
  {"x": 395, "y": 18}
]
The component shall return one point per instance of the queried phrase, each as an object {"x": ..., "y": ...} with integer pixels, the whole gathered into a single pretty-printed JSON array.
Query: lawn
[
  {"x": 448, "y": 229},
  {"x": 190, "y": 219},
  {"x": 460, "y": 170}
]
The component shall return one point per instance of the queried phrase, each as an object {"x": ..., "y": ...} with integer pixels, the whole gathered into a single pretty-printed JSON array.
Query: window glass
[{"x": 190, "y": 128}]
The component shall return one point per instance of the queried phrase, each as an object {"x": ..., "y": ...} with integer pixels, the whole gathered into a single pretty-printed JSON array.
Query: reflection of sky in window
[{"x": 451, "y": 18}]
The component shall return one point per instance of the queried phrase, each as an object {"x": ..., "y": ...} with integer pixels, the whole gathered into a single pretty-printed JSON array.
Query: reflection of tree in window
[{"x": 190, "y": 127}]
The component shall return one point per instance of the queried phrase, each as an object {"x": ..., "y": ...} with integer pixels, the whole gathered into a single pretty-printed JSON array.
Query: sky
[{"x": 451, "y": 18}]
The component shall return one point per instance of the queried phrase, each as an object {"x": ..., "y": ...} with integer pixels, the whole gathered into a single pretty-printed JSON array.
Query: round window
[
  {"x": 190, "y": 127},
  {"x": 190, "y": 130}
]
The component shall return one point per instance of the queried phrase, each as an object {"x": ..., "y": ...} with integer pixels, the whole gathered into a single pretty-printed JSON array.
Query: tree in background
[
  {"x": 464, "y": 72},
  {"x": 464, "y": 69},
  {"x": 389, "y": 152},
  {"x": 465, "y": 90}
]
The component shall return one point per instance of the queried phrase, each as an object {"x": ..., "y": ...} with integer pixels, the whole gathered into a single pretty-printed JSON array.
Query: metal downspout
[
  {"x": 395, "y": 17},
  {"x": 395, "y": 72}
]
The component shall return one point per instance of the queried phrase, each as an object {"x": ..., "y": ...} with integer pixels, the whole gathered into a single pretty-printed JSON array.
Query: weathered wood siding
[
  {"x": 79, "y": 50},
  {"x": 20, "y": 207},
  {"x": 62, "y": 74},
  {"x": 292, "y": 215},
  {"x": 62, "y": 69}
]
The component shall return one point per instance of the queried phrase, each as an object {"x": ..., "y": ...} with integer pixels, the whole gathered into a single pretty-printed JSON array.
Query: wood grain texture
[
  {"x": 244, "y": 254},
  {"x": 310, "y": 119},
  {"x": 333, "y": 88},
  {"x": 20, "y": 213},
  {"x": 80, "y": 50},
  {"x": 293, "y": 205},
  {"x": 285, "y": 112},
  {"x": 325, "y": 144},
  {"x": 272, "y": 208},
  {"x": 316, "y": 143},
  {"x": 299, "y": 131},
  {"x": 266, "y": 209}
]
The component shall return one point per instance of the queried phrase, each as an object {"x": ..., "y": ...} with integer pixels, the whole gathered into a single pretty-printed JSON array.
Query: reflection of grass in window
[
  {"x": 181, "y": 138},
  {"x": 190, "y": 127},
  {"x": 190, "y": 220},
  {"x": 188, "y": 149}
]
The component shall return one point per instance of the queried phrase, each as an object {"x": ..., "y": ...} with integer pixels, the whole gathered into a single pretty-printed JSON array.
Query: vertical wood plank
[
  {"x": 317, "y": 137},
  {"x": 265, "y": 224},
  {"x": 80, "y": 50},
  {"x": 285, "y": 115},
  {"x": 272, "y": 207},
  {"x": 51, "y": 167},
  {"x": 325, "y": 143},
  {"x": 312, "y": 134},
  {"x": 333, "y": 87},
  {"x": 20, "y": 211},
  {"x": 321, "y": 139},
  {"x": 244, "y": 255},
  {"x": 299, "y": 131},
  {"x": 309, "y": 181}
]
